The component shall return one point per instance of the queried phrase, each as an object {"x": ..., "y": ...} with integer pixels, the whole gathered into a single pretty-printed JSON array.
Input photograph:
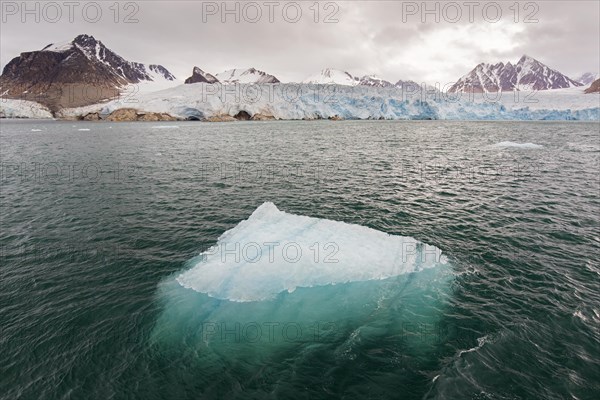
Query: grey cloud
[{"x": 370, "y": 37}]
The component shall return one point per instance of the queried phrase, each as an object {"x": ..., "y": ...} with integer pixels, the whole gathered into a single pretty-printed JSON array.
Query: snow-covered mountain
[
  {"x": 330, "y": 76},
  {"x": 249, "y": 75},
  {"x": 96, "y": 52},
  {"x": 526, "y": 74},
  {"x": 82, "y": 71},
  {"x": 408, "y": 85},
  {"x": 374, "y": 81},
  {"x": 199, "y": 76},
  {"x": 588, "y": 78}
]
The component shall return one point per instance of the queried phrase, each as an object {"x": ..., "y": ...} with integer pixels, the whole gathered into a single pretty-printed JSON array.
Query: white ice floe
[
  {"x": 519, "y": 145},
  {"x": 274, "y": 252}
]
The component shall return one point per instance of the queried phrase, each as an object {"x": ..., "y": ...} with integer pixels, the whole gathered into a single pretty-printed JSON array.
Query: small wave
[
  {"x": 580, "y": 315},
  {"x": 480, "y": 342},
  {"x": 36, "y": 130},
  {"x": 83, "y": 130},
  {"x": 591, "y": 317},
  {"x": 519, "y": 145},
  {"x": 583, "y": 148}
]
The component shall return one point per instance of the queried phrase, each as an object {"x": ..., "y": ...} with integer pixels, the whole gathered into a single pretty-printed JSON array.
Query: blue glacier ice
[{"x": 307, "y": 101}]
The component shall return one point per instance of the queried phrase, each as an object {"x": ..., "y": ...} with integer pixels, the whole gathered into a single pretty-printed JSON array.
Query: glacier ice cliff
[
  {"x": 308, "y": 101},
  {"x": 10, "y": 108},
  {"x": 201, "y": 101}
]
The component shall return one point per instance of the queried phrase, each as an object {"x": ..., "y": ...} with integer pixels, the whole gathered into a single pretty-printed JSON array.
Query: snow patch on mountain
[
  {"x": 248, "y": 76},
  {"x": 59, "y": 47},
  {"x": 330, "y": 76}
]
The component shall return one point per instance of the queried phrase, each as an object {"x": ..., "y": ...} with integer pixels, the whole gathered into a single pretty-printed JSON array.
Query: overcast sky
[{"x": 386, "y": 38}]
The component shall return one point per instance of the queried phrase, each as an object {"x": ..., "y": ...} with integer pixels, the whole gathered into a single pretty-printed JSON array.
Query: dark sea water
[{"x": 98, "y": 219}]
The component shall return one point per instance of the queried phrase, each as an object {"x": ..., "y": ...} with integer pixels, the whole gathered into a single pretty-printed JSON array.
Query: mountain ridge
[
  {"x": 79, "y": 72},
  {"x": 84, "y": 71},
  {"x": 245, "y": 75},
  {"x": 527, "y": 74},
  {"x": 199, "y": 76}
]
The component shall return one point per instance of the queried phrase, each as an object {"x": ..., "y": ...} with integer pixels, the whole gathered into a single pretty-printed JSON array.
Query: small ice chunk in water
[{"x": 519, "y": 145}]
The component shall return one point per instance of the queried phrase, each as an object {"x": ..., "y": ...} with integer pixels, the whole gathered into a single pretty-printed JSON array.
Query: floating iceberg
[
  {"x": 274, "y": 252},
  {"x": 369, "y": 291},
  {"x": 166, "y": 127}
]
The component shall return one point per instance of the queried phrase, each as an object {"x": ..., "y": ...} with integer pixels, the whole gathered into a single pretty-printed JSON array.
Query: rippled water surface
[{"x": 98, "y": 220}]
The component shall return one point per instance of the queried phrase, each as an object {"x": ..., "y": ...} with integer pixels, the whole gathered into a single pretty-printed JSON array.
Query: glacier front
[
  {"x": 10, "y": 108},
  {"x": 309, "y": 101}
]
